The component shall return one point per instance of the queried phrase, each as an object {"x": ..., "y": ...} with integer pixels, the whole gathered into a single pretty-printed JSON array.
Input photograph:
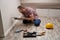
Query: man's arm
[
  {"x": 24, "y": 18},
  {"x": 31, "y": 18}
]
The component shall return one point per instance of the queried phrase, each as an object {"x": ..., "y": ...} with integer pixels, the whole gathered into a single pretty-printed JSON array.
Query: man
[{"x": 29, "y": 14}]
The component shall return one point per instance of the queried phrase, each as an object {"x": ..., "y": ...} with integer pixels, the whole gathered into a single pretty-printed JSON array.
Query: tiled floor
[{"x": 49, "y": 35}]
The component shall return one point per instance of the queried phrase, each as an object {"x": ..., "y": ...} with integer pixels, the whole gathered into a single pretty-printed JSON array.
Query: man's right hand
[
  {"x": 18, "y": 18},
  {"x": 15, "y": 18}
]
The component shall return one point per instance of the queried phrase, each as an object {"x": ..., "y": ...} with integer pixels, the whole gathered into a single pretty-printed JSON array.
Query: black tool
[
  {"x": 29, "y": 34},
  {"x": 32, "y": 34}
]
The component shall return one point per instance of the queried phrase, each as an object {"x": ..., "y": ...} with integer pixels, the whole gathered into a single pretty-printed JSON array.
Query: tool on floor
[
  {"x": 41, "y": 34},
  {"x": 32, "y": 34},
  {"x": 17, "y": 31},
  {"x": 49, "y": 25},
  {"x": 29, "y": 34}
]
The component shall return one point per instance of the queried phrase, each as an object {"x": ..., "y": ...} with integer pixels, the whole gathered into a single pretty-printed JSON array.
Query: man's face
[{"x": 21, "y": 10}]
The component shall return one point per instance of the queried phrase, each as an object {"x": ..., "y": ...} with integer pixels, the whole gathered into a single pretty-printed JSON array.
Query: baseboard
[
  {"x": 15, "y": 21},
  {"x": 6, "y": 33},
  {"x": 8, "y": 30}
]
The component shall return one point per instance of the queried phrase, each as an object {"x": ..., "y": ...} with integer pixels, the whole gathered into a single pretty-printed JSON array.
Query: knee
[{"x": 24, "y": 21}]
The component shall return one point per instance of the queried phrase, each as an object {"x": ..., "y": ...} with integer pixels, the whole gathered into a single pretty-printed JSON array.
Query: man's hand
[
  {"x": 18, "y": 18},
  {"x": 15, "y": 18}
]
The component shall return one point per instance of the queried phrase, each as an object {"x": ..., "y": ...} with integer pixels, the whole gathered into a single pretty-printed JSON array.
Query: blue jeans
[{"x": 27, "y": 22}]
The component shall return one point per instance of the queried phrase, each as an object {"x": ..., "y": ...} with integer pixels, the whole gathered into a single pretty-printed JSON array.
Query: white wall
[
  {"x": 41, "y": 1},
  {"x": 8, "y": 10},
  {"x": 42, "y": 12},
  {"x": 0, "y": 4},
  {"x": 48, "y": 12},
  {"x": 54, "y": 12}
]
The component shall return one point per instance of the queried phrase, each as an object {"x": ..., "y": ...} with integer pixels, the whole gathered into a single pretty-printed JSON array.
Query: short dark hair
[{"x": 20, "y": 7}]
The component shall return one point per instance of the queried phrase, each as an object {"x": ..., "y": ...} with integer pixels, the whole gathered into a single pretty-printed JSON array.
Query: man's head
[{"x": 21, "y": 9}]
